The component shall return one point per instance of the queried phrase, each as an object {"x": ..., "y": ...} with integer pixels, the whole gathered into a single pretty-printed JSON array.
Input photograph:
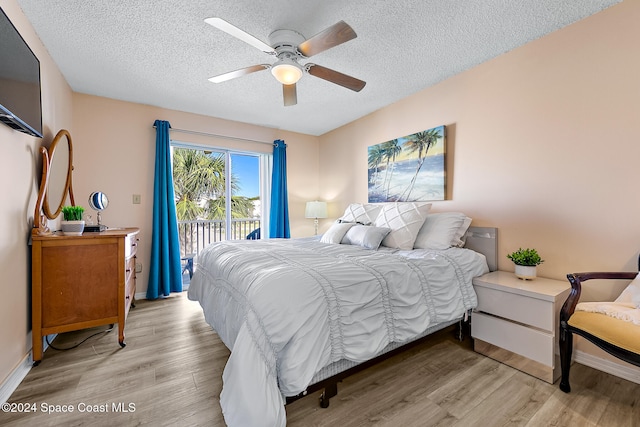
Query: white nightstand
[{"x": 516, "y": 322}]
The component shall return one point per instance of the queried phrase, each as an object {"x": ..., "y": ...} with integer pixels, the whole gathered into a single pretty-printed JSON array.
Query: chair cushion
[{"x": 618, "y": 332}]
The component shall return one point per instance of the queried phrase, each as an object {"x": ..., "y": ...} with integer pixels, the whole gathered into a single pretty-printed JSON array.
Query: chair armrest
[{"x": 576, "y": 280}]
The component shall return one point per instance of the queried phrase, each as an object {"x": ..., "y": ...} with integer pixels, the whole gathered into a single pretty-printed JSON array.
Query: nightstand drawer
[
  {"x": 519, "y": 308},
  {"x": 519, "y": 339}
]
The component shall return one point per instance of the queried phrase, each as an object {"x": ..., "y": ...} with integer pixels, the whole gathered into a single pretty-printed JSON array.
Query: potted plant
[
  {"x": 72, "y": 224},
  {"x": 526, "y": 261}
]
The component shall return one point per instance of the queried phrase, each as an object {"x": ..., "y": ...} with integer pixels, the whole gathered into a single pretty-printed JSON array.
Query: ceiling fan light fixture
[{"x": 287, "y": 71}]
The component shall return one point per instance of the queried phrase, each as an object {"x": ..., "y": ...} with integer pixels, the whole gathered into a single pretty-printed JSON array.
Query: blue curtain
[
  {"x": 279, "y": 215},
  {"x": 164, "y": 269}
]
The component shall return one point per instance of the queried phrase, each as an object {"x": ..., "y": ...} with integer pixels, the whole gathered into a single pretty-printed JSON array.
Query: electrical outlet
[
  {"x": 138, "y": 267},
  {"x": 136, "y": 199}
]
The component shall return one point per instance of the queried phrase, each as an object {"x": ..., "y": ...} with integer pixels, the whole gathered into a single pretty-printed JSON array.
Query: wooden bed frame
[{"x": 480, "y": 239}]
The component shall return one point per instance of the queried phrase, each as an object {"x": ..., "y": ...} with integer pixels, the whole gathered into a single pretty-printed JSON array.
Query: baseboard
[
  {"x": 15, "y": 378},
  {"x": 625, "y": 372}
]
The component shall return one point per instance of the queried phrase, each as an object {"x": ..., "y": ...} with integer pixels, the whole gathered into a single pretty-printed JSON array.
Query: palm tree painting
[{"x": 408, "y": 169}]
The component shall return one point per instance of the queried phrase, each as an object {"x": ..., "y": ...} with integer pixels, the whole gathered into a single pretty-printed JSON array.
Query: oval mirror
[
  {"x": 59, "y": 180},
  {"x": 98, "y": 201}
]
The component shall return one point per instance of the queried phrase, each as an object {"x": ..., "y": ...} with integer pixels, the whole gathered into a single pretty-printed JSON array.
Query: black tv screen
[{"x": 20, "y": 106}]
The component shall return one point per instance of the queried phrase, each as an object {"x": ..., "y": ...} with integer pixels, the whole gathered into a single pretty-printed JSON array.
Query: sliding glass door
[{"x": 218, "y": 195}]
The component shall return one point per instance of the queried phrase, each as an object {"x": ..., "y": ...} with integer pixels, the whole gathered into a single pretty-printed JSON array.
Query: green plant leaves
[
  {"x": 72, "y": 213},
  {"x": 527, "y": 257}
]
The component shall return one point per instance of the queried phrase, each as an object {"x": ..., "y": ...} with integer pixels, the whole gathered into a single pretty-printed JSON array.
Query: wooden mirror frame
[{"x": 42, "y": 204}]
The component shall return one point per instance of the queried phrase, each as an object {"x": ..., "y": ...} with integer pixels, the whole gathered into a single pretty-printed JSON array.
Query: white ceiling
[{"x": 161, "y": 52}]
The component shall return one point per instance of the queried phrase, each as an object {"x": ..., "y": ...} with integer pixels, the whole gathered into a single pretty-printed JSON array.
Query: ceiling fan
[{"x": 289, "y": 47}]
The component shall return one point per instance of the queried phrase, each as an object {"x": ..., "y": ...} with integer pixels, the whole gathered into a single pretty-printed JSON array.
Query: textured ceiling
[{"x": 161, "y": 52}]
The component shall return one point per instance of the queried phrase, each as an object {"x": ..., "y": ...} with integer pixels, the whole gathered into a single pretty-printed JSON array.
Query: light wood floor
[{"x": 171, "y": 371}]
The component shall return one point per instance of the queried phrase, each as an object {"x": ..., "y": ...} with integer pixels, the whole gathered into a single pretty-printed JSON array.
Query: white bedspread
[{"x": 287, "y": 308}]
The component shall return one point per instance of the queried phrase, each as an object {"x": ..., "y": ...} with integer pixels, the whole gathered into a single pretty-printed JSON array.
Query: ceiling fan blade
[
  {"x": 331, "y": 37},
  {"x": 289, "y": 94},
  {"x": 238, "y": 73},
  {"x": 335, "y": 77},
  {"x": 236, "y": 32}
]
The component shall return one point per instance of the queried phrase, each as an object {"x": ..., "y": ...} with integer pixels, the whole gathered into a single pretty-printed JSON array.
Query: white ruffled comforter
[{"x": 287, "y": 308}]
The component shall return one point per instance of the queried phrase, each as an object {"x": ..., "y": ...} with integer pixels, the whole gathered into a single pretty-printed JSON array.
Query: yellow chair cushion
[{"x": 615, "y": 331}]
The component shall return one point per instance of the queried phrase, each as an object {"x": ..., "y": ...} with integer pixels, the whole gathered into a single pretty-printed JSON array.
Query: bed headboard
[{"x": 485, "y": 241}]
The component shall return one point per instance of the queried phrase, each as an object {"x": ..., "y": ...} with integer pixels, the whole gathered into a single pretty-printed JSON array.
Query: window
[{"x": 219, "y": 195}]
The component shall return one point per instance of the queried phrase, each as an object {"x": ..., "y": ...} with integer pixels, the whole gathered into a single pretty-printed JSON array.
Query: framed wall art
[{"x": 408, "y": 169}]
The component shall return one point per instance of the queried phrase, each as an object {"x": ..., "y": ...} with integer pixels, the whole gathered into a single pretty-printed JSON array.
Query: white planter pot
[
  {"x": 72, "y": 228},
  {"x": 526, "y": 272}
]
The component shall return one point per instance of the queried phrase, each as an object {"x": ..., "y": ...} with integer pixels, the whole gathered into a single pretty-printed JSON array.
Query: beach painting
[{"x": 408, "y": 169}]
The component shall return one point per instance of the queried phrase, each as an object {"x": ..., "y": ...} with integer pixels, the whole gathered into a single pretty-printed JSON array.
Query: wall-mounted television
[{"x": 20, "y": 102}]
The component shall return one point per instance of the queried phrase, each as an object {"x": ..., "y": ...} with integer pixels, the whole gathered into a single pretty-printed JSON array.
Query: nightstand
[{"x": 516, "y": 322}]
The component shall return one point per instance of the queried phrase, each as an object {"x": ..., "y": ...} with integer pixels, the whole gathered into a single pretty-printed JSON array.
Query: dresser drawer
[
  {"x": 519, "y": 308},
  {"x": 130, "y": 283},
  {"x": 531, "y": 343},
  {"x": 130, "y": 245},
  {"x": 129, "y": 270}
]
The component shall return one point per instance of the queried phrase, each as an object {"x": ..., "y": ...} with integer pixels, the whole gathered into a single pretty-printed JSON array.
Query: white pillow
[
  {"x": 459, "y": 239},
  {"x": 442, "y": 230},
  {"x": 364, "y": 213},
  {"x": 336, "y": 232},
  {"x": 631, "y": 294},
  {"x": 404, "y": 220},
  {"x": 365, "y": 235}
]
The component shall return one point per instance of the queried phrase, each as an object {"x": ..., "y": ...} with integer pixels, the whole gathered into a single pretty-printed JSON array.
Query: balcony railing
[{"x": 197, "y": 234}]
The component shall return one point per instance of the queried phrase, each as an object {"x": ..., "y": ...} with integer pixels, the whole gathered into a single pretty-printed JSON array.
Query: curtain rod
[{"x": 215, "y": 135}]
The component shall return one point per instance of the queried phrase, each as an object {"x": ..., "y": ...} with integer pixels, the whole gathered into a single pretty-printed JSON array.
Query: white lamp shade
[
  {"x": 316, "y": 210},
  {"x": 286, "y": 71}
]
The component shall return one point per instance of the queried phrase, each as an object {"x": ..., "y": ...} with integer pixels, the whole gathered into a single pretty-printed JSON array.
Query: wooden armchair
[{"x": 617, "y": 337}]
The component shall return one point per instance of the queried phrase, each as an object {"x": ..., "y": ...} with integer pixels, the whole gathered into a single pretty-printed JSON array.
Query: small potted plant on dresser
[
  {"x": 526, "y": 261},
  {"x": 72, "y": 224}
]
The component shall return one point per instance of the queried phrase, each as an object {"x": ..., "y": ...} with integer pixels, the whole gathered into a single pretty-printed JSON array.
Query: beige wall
[
  {"x": 20, "y": 167},
  {"x": 114, "y": 152},
  {"x": 543, "y": 143}
]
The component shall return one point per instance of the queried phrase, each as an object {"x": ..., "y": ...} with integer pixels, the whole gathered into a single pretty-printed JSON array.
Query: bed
[{"x": 300, "y": 314}]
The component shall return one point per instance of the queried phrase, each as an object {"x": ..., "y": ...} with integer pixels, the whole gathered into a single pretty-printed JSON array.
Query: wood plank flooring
[{"x": 170, "y": 373}]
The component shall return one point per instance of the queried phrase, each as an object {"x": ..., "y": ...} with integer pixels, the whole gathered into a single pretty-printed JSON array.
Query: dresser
[
  {"x": 81, "y": 282},
  {"x": 517, "y": 321}
]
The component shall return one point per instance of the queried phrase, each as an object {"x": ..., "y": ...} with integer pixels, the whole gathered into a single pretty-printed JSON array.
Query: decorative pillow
[
  {"x": 365, "y": 235},
  {"x": 459, "y": 239},
  {"x": 442, "y": 230},
  {"x": 404, "y": 220},
  {"x": 336, "y": 232},
  {"x": 631, "y": 294},
  {"x": 364, "y": 213}
]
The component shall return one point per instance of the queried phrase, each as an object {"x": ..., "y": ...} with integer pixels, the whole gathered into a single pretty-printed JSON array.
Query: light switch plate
[{"x": 136, "y": 199}]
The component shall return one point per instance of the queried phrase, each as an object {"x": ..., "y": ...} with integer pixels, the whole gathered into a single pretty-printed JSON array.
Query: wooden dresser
[{"x": 82, "y": 281}]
